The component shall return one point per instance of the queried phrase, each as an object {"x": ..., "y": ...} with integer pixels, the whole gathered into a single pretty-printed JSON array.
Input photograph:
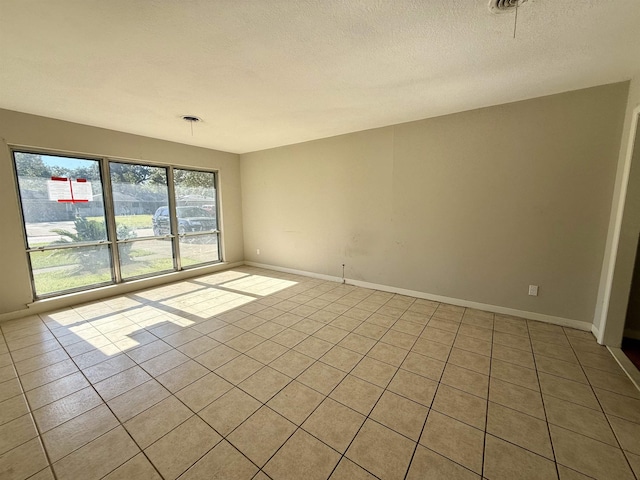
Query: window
[{"x": 143, "y": 220}]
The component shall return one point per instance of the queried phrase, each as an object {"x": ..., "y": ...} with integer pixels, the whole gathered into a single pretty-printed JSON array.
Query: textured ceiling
[{"x": 264, "y": 73}]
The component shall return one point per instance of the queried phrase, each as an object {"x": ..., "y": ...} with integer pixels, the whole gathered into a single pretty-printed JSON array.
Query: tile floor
[{"x": 253, "y": 374}]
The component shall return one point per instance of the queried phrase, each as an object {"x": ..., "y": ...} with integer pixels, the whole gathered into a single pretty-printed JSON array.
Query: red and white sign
[{"x": 70, "y": 191}]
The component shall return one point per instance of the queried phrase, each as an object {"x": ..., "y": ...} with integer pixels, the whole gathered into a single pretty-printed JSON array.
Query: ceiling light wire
[{"x": 515, "y": 21}]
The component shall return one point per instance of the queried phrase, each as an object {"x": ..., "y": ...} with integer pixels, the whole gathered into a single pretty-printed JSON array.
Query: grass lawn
[{"x": 133, "y": 221}]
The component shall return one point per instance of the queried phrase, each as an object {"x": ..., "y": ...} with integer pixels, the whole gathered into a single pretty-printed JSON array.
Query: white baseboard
[
  {"x": 627, "y": 365},
  {"x": 631, "y": 333},
  {"x": 596, "y": 332},
  {"x": 541, "y": 317}
]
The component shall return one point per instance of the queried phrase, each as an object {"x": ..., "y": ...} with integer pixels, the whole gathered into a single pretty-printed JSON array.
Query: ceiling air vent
[{"x": 504, "y": 6}]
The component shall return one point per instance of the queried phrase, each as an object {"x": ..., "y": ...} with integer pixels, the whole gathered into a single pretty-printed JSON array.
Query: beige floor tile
[
  {"x": 292, "y": 363},
  {"x": 607, "y": 363},
  {"x": 198, "y": 346},
  {"x": 239, "y": 369},
  {"x": 357, "y": 394},
  {"x": 400, "y": 414},
  {"x": 226, "y": 333},
  {"x": 184, "y": 374},
  {"x": 414, "y": 387},
  {"x": 265, "y": 383},
  {"x": 136, "y": 468},
  {"x": 223, "y": 462},
  {"x": 289, "y": 337},
  {"x": 108, "y": 368},
  {"x": 137, "y": 400},
  {"x": 160, "y": 419},
  {"x": 619, "y": 405},
  {"x": 357, "y": 343},
  {"x": 425, "y": 366},
  {"x": 217, "y": 356},
  {"x": 78, "y": 431},
  {"x": 357, "y": 314},
  {"x": 513, "y": 355},
  {"x": 40, "y": 396},
  {"x": 442, "y": 324},
  {"x": 13, "y": 408},
  {"x": 16, "y": 432},
  {"x": 410, "y": 324},
  {"x": 321, "y": 377},
  {"x": 346, "y": 323},
  {"x": 518, "y": 398},
  {"x": 431, "y": 349},
  {"x": 296, "y": 402},
  {"x": 466, "y": 380},
  {"x": 476, "y": 332},
  {"x": 579, "y": 419},
  {"x": 558, "y": 352},
  {"x": 517, "y": 342},
  {"x": 470, "y": 360},
  {"x": 589, "y": 456},
  {"x": 509, "y": 372},
  {"x": 519, "y": 428},
  {"x": 164, "y": 362},
  {"x": 147, "y": 352},
  {"x": 287, "y": 319},
  {"x": 182, "y": 447},
  {"x": 472, "y": 344},
  {"x": 460, "y": 405},
  {"x": 266, "y": 352},
  {"x": 428, "y": 464},
  {"x": 121, "y": 383},
  {"x": 374, "y": 371},
  {"x": 182, "y": 337},
  {"x": 560, "y": 368},
  {"x": 628, "y": 434},
  {"x": 40, "y": 361},
  {"x": 261, "y": 435},
  {"x": 381, "y": 451},
  {"x": 334, "y": 424},
  {"x": 229, "y": 411},
  {"x": 23, "y": 461},
  {"x": 97, "y": 458},
  {"x": 46, "y": 474},
  {"x": 347, "y": 470},
  {"x": 313, "y": 347},
  {"x": 569, "y": 474},
  {"x": 307, "y": 326},
  {"x": 66, "y": 408},
  {"x": 399, "y": 339},
  {"x": 331, "y": 334},
  {"x": 246, "y": 341},
  {"x": 505, "y": 461},
  {"x": 634, "y": 461},
  {"x": 47, "y": 374},
  {"x": 302, "y": 456},
  {"x": 203, "y": 391},
  {"x": 618, "y": 383},
  {"x": 379, "y": 318},
  {"x": 342, "y": 358},
  {"x": 455, "y": 440},
  {"x": 569, "y": 390}
]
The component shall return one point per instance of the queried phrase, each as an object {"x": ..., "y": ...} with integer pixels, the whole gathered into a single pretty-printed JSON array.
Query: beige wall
[
  {"x": 614, "y": 310},
  {"x": 474, "y": 206},
  {"x": 39, "y": 132}
]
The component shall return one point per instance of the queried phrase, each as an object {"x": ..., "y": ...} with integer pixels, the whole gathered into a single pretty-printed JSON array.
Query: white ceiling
[{"x": 265, "y": 73}]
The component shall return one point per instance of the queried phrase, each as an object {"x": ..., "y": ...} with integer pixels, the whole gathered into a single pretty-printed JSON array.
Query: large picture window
[{"x": 92, "y": 222}]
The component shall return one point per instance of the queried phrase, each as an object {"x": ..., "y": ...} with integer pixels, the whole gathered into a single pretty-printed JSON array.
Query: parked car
[{"x": 190, "y": 219}]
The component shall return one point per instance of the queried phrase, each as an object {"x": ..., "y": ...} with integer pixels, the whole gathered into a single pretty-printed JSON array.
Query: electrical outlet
[
  {"x": 533, "y": 290},
  {"x": 258, "y": 251}
]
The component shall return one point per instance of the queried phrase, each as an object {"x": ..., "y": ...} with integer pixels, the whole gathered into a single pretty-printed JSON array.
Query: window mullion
[
  {"x": 112, "y": 231},
  {"x": 177, "y": 264}
]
